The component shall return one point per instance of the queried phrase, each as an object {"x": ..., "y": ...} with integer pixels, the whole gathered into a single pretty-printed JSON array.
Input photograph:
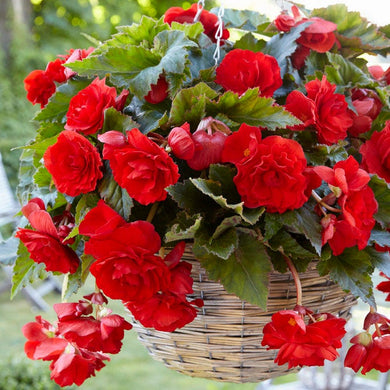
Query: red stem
[{"x": 297, "y": 281}]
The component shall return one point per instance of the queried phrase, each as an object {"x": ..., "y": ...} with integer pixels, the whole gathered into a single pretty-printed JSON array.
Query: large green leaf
[
  {"x": 284, "y": 243},
  {"x": 249, "y": 42},
  {"x": 213, "y": 189},
  {"x": 252, "y": 109},
  {"x": 355, "y": 33},
  {"x": 56, "y": 109},
  {"x": 243, "y": 19},
  {"x": 115, "y": 196},
  {"x": 222, "y": 242},
  {"x": 344, "y": 73},
  {"x": 137, "y": 67},
  {"x": 72, "y": 282},
  {"x": 184, "y": 227},
  {"x": 189, "y": 105},
  {"x": 136, "y": 34},
  {"x": 382, "y": 195},
  {"x": 25, "y": 271},
  {"x": 282, "y": 46},
  {"x": 244, "y": 273},
  {"x": 114, "y": 120},
  {"x": 379, "y": 260},
  {"x": 351, "y": 270},
  {"x": 302, "y": 221},
  {"x": 188, "y": 197}
]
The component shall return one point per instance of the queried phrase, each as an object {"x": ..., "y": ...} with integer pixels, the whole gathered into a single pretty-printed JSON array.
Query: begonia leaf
[
  {"x": 213, "y": 189},
  {"x": 56, "y": 109},
  {"x": 73, "y": 282},
  {"x": 136, "y": 34},
  {"x": 243, "y": 19},
  {"x": 115, "y": 196},
  {"x": 382, "y": 196},
  {"x": 252, "y": 109},
  {"x": 184, "y": 227},
  {"x": 282, "y": 46},
  {"x": 351, "y": 270},
  {"x": 244, "y": 273},
  {"x": 8, "y": 251},
  {"x": 25, "y": 270},
  {"x": 301, "y": 221},
  {"x": 355, "y": 33},
  {"x": 284, "y": 243},
  {"x": 114, "y": 120},
  {"x": 221, "y": 243},
  {"x": 192, "y": 31},
  {"x": 136, "y": 67},
  {"x": 190, "y": 103},
  {"x": 380, "y": 260},
  {"x": 249, "y": 42},
  {"x": 188, "y": 197},
  {"x": 344, "y": 73}
]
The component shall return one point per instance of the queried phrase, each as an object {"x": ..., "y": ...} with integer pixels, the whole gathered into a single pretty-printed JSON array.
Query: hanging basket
[{"x": 223, "y": 343}]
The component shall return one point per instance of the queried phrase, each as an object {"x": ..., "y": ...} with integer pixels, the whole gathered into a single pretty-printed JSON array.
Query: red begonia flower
[
  {"x": 300, "y": 344},
  {"x": 368, "y": 106},
  {"x": 100, "y": 221},
  {"x": 140, "y": 166},
  {"x": 376, "y": 153},
  {"x": 86, "y": 108},
  {"x": 39, "y": 86},
  {"x": 164, "y": 311},
  {"x": 45, "y": 244},
  {"x": 208, "y": 20},
  {"x": 384, "y": 286},
  {"x": 181, "y": 142},
  {"x": 74, "y": 163},
  {"x": 244, "y": 69},
  {"x": 271, "y": 174},
  {"x": 319, "y": 35},
  {"x": 74, "y": 366}
]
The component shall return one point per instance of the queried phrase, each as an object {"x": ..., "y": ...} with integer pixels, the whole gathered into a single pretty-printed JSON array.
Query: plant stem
[
  {"x": 324, "y": 204},
  {"x": 297, "y": 281},
  {"x": 152, "y": 212}
]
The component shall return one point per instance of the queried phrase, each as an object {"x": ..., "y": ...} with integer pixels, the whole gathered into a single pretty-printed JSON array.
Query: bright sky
[{"x": 376, "y": 11}]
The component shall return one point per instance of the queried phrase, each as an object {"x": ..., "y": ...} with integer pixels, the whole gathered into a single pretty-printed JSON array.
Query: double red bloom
[
  {"x": 74, "y": 163},
  {"x": 244, "y": 69},
  {"x": 86, "y": 109},
  {"x": 127, "y": 268},
  {"x": 78, "y": 344},
  {"x": 300, "y": 344},
  {"x": 353, "y": 225},
  {"x": 322, "y": 108},
  {"x": 46, "y": 243},
  {"x": 271, "y": 172},
  {"x": 40, "y": 84},
  {"x": 376, "y": 153},
  {"x": 139, "y": 165},
  {"x": 371, "y": 351}
]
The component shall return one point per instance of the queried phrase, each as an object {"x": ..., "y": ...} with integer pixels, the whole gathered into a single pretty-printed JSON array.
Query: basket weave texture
[{"x": 223, "y": 343}]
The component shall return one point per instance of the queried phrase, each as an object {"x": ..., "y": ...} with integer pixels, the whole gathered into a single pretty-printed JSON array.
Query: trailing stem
[{"x": 297, "y": 281}]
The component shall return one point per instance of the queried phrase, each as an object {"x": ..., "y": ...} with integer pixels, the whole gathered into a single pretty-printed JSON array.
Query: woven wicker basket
[{"x": 224, "y": 342}]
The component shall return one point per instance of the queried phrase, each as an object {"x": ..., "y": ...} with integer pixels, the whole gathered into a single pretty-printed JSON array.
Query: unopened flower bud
[{"x": 181, "y": 142}]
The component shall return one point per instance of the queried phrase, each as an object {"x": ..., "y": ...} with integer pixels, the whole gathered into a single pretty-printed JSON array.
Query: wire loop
[
  {"x": 200, "y": 6},
  {"x": 218, "y": 34}
]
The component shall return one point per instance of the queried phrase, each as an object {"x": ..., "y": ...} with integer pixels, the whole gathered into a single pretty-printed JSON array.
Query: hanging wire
[
  {"x": 218, "y": 34},
  {"x": 200, "y": 7}
]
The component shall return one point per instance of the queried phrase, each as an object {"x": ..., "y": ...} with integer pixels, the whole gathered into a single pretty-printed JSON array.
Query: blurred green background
[{"x": 33, "y": 32}]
